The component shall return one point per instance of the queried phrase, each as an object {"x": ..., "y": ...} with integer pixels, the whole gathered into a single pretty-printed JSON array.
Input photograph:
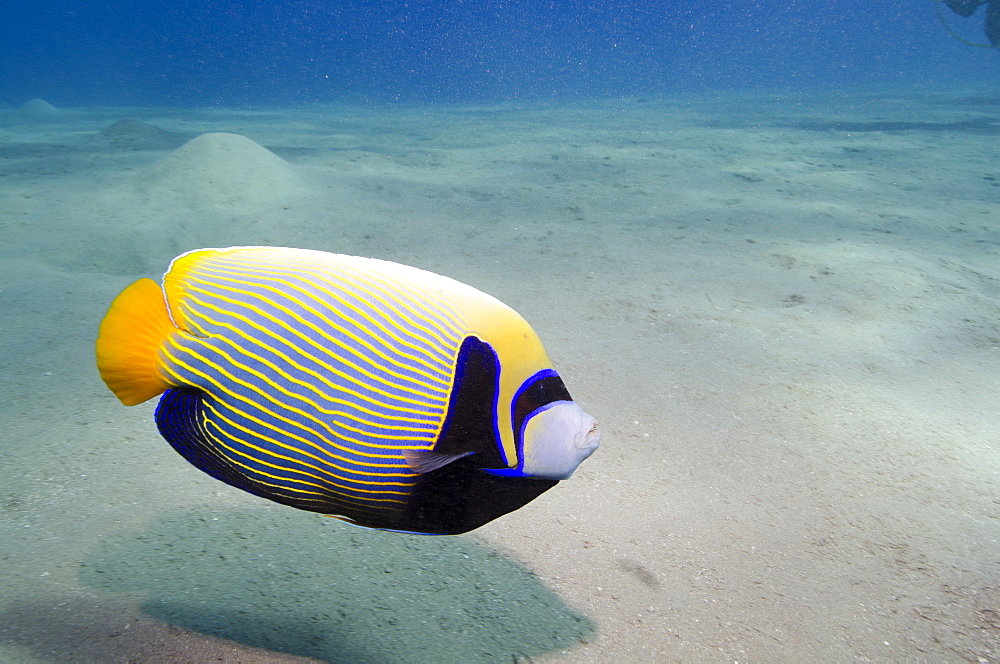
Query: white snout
[{"x": 558, "y": 439}]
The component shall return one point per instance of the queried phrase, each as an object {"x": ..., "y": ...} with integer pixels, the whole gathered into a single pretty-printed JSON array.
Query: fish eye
[{"x": 539, "y": 391}]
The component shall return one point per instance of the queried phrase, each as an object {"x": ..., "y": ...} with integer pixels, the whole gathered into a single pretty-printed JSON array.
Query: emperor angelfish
[{"x": 380, "y": 394}]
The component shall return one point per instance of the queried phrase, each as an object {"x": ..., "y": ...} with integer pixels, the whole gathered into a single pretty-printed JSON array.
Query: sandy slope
[{"x": 783, "y": 308}]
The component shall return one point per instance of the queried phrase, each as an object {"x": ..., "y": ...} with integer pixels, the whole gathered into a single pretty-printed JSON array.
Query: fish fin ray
[{"x": 424, "y": 461}]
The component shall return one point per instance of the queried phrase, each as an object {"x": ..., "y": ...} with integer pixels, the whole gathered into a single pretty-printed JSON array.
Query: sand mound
[
  {"x": 39, "y": 108},
  {"x": 221, "y": 170},
  {"x": 138, "y": 134}
]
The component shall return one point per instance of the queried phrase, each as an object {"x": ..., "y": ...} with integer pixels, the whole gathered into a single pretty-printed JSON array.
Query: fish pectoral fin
[{"x": 425, "y": 461}]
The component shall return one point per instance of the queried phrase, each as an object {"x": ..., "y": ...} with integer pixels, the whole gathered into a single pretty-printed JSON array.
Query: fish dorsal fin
[
  {"x": 129, "y": 341},
  {"x": 423, "y": 461}
]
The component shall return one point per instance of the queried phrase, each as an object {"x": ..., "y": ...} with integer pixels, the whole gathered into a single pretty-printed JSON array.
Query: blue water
[{"x": 161, "y": 52}]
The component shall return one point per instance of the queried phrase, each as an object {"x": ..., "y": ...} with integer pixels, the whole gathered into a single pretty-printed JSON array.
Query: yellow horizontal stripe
[
  {"x": 424, "y": 352},
  {"x": 351, "y": 350},
  {"x": 348, "y": 506},
  {"x": 433, "y": 422},
  {"x": 336, "y": 387},
  {"x": 445, "y": 322},
  {"x": 326, "y": 477},
  {"x": 269, "y": 333},
  {"x": 393, "y": 289},
  {"x": 321, "y": 482},
  {"x": 280, "y": 325},
  {"x": 428, "y": 434},
  {"x": 177, "y": 362},
  {"x": 220, "y": 281}
]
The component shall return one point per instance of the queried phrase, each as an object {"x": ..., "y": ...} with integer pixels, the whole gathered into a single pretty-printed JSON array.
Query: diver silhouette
[{"x": 991, "y": 24}]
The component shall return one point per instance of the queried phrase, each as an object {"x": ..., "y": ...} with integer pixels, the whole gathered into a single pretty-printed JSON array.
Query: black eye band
[{"x": 538, "y": 391}]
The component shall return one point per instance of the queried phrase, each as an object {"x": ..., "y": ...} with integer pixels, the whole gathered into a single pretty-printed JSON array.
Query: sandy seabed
[{"x": 784, "y": 309}]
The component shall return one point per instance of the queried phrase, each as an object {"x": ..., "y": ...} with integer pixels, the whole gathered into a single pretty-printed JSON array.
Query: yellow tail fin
[{"x": 129, "y": 342}]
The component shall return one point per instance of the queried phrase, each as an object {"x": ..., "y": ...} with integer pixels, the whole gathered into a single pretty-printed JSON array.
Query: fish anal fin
[
  {"x": 425, "y": 461},
  {"x": 129, "y": 342}
]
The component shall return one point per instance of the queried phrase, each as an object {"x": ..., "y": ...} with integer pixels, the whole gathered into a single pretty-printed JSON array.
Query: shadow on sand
[{"x": 302, "y": 584}]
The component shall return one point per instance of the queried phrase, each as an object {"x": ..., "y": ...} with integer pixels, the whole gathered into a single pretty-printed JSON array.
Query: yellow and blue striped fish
[{"x": 380, "y": 394}]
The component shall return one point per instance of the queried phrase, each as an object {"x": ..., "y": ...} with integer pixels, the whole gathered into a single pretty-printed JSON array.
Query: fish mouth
[{"x": 591, "y": 438}]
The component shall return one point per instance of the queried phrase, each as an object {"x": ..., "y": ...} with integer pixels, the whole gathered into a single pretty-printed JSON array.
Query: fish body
[{"x": 384, "y": 395}]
